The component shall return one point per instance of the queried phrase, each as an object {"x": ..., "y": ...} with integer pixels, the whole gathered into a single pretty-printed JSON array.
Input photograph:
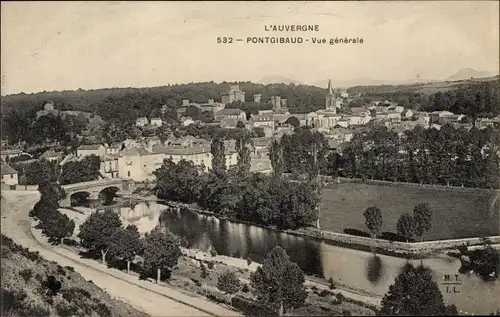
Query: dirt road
[{"x": 16, "y": 224}]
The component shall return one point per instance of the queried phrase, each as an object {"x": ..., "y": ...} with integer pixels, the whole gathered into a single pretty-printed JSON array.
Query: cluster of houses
[{"x": 138, "y": 159}]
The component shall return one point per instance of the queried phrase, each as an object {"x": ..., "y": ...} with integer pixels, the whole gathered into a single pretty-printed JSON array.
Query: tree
[
  {"x": 293, "y": 121},
  {"x": 178, "y": 182},
  {"x": 406, "y": 226},
  {"x": 218, "y": 155},
  {"x": 276, "y": 157},
  {"x": 161, "y": 251},
  {"x": 97, "y": 231},
  {"x": 373, "y": 220},
  {"x": 229, "y": 283},
  {"x": 240, "y": 125},
  {"x": 57, "y": 227},
  {"x": 279, "y": 282},
  {"x": 51, "y": 192},
  {"x": 414, "y": 293},
  {"x": 126, "y": 244},
  {"x": 242, "y": 148},
  {"x": 423, "y": 216}
]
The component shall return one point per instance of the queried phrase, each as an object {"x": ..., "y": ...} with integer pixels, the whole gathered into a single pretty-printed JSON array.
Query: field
[{"x": 456, "y": 214}]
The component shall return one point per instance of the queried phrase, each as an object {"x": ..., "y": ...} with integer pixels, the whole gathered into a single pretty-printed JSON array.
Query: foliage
[
  {"x": 126, "y": 243},
  {"x": 243, "y": 144},
  {"x": 228, "y": 282},
  {"x": 97, "y": 231},
  {"x": 448, "y": 156},
  {"x": 161, "y": 250},
  {"x": 178, "y": 182},
  {"x": 485, "y": 262},
  {"x": 57, "y": 227},
  {"x": 51, "y": 192},
  {"x": 423, "y": 216},
  {"x": 83, "y": 170},
  {"x": 373, "y": 219},
  {"x": 276, "y": 157},
  {"x": 36, "y": 172},
  {"x": 279, "y": 282},
  {"x": 406, "y": 226},
  {"x": 414, "y": 293},
  {"x": 218, "y": 155}
]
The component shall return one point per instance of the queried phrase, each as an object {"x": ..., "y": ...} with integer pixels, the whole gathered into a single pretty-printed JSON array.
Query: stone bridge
[{"x": 94, "y": 188}]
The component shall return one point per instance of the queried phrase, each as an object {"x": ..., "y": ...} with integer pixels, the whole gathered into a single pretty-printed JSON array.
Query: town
[{"x": 156, "y": 163}]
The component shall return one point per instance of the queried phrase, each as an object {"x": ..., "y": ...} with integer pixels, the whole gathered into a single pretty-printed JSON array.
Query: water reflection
[{"x": 356, "y": 269}]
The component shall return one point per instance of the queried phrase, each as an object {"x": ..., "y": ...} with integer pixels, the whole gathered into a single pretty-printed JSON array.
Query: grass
[{"x": 455, "y": 214}]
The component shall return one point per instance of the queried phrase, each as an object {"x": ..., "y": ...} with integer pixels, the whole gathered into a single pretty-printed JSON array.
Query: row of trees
[
  {"x": 447, "y": 156},
  {"x": 408, "y": 225},
  {"x": 40, "y": 171},
  {"x": 54, "y": 224},
  {"x": 236, "y": 193}
]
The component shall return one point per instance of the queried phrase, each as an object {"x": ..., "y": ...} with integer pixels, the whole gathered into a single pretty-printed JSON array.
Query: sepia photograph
[{"x": 250, "y": 158}]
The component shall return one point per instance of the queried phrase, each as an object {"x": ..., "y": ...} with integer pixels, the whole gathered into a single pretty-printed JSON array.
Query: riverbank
[
  {"x": 415, "y": 250},
  {"x": 196, "y": 275}
]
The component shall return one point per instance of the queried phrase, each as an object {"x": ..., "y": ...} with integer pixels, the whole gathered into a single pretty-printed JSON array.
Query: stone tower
[{"x": 330, "y": 98}]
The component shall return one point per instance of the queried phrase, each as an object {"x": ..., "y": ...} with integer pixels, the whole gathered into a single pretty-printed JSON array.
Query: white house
[
  {"x": 141, "y": 122},
  {"x": 156, "y": 122},
  {"x": 236, "y": 114},
  {"x": 91, "y": 149},
  {"x": 9, "y": 175}
]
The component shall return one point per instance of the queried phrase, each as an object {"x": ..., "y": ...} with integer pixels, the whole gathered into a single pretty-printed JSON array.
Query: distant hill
[
  {"x": 278, "y": 80},
  {"x": 362, "y": 81},
  {"x": 467, "y": 73}
]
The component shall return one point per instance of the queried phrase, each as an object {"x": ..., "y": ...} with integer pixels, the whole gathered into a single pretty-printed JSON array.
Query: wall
[{"x": 10, "y": 179}]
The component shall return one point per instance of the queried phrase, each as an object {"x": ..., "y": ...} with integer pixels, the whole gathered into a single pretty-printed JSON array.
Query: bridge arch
[
  {"x": 107, "y": 194},
  {"x": 80, "y": 198}
]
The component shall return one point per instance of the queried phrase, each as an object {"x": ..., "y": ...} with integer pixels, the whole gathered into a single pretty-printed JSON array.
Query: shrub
[
  {"x": 463, "y": 249},
  {"x": 331, "y": 284},
  {"x": 249, "y": 261},
  {"x": 346, "y": 313},
  {"x": 356, "y": 232},
  {"x": 70, "y": 268},
  {"x": 74, "y": 293},
  {"x": 52, "y": 285},
  {"x": 60, "y": 270},
  {"x": 196, "y": 282},
  {"x": 340, "y": 297},
  {"x": 26, "y": 274},
  {"x": 245, "y": 288},
  {"x": 102, "y": 310},
  {"x": 314, "y": 288},
  {"x": 325, "y": 293},
  {"x": 213, "y": 252},
  {"x": 210, "y": 264},
  {"x": 204, "y": 272}
]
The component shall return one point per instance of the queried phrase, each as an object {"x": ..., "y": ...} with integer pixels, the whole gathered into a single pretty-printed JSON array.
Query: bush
[
  {"x": 325, "y": 293},
  {"x": 70, "y": 268},
  {"x": 196, "y": 282},
  {"x": 346, "y": 313},
  {"x": 245, "y": 288},
  {"x": 356, "y": 232},
  {"x": 26, "y": 274},
  {"x": 211, "y": 264},
  {"x": 340, "y": 297},
  {"x": 213, "y": 252},
  {"x": 462, "y": 249},
  {"x": 204, "y": 272},
  {"x": 249, "y": 261},
  {"x": 331, "y": 284},
  {"x": 102, "y": 310},
  {"x": 60, "y": 270},
  {"x": 314, "y": 288}
]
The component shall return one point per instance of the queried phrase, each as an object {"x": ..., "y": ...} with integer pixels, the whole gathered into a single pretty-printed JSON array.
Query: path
[{"x": 148, "y": 297}]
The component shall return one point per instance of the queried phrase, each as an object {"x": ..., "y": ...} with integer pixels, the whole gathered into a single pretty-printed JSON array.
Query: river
[{"x": 346, "y": 266}]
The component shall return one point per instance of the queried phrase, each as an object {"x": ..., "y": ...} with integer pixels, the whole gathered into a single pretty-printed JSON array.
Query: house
[
  {"x": 185, "y": 121},
  {"x": 262, "y": 120},
  {"x": 91, "y": 149},
  {"x": 260, "y": 164},
  {"x": 394, "y": 116},
  {"x": 396, "y": 108},
  {"x": 52, "y": 156},
  {"x": 407, "y": 114},
  {"x": 9, "y": 175},
  {"x": 260, "y": 146},
  {"x": 343, "y": 123},
  {"x": 113, "y": 148},
  {"x": 237, "y": 114},
  {"x": 109, "y": 166},
  {"x": 341, "y": 134},
  {"x": 360, "y": 111},
  {"x": 141, "y": 122},
  {"x": 156, "y": 122},
  {"x": 229, "y": 123},
  {"x": 436, "y": 115}
]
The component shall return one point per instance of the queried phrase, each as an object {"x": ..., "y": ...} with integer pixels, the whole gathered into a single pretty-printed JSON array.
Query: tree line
[
  {"x": 236, "y": 193},
  {"x": 42, "y": 171},
  {"x": 448, "y": 156}
]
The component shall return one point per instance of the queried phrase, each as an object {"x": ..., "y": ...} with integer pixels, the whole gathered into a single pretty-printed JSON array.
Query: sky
[{"x": 90, "y": 45}]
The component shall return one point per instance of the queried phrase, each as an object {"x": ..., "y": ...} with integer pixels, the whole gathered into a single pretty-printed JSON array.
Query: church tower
[{"x": 330, "y": 99}]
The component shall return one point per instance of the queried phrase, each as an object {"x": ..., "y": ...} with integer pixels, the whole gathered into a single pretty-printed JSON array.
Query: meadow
[{"x": 456, "y": 213}]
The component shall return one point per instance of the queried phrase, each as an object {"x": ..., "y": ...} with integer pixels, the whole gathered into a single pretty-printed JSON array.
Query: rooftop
[
  {"x": 89, "y": 147},
  {"x": 229, "y": 112},
  {"x": 6, "y": 169}
]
